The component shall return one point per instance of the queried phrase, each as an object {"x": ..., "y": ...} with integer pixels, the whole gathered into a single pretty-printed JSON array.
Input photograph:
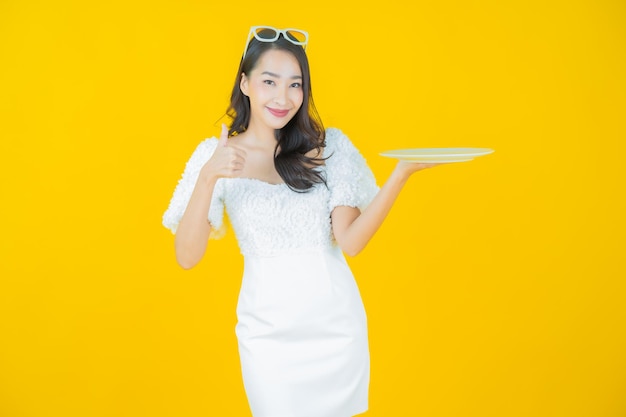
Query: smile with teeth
[{"x": 277, "y": 112}]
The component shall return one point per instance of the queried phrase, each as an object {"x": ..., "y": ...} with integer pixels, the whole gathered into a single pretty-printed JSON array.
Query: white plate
[{"x": 437, "y": 155}]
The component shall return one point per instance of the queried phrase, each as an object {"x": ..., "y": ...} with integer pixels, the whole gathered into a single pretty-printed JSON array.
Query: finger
[
  {"x": 224, "y": 135},
  {"x": 238, "y": 153}
]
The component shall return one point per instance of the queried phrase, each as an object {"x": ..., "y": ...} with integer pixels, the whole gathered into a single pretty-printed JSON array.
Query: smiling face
[{"x": 274, "y": 87}]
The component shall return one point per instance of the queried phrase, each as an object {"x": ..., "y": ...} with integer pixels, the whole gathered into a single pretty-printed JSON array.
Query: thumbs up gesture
[
  {"x": 227, "y": 161},
  {"x": 223, "y": 136}
]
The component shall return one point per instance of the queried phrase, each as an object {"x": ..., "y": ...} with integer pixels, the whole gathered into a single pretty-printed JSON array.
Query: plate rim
[{"x": 473, "y": 151}]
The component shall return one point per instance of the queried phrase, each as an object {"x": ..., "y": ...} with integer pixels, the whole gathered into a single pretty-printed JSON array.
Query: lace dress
[{"x": 302, "y": 328}]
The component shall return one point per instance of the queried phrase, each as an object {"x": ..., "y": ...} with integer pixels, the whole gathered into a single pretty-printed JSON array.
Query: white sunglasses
[{"x": 271, "y": 34}]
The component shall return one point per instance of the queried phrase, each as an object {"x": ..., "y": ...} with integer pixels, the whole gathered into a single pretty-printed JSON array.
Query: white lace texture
[{"x": 270, "y": 218}]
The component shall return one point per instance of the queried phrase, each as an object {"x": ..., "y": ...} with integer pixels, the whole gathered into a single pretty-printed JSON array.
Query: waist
[
  {"x": 290, "y": 251},
  {"x": 295, "y": 258}
]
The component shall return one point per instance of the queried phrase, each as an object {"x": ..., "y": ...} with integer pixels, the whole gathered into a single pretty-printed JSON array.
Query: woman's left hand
[{"x": 405, "y": 168}]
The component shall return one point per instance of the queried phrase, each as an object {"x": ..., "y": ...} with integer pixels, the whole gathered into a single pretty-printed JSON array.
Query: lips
[{"x": 278, "y": 113}]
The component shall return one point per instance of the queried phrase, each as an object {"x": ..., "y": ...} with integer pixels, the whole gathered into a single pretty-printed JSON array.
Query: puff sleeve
[
  {"x": 184, "y": 188},
  {"x": 350, "y": 180}
]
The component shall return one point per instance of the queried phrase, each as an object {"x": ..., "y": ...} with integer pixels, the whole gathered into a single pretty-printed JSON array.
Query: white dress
[{"x": 302, "y": 328}]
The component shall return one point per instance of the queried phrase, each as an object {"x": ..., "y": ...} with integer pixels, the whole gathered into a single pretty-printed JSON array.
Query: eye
[
  {"x": 268, "y": 82},
  {"x": 296, "y": 85}
]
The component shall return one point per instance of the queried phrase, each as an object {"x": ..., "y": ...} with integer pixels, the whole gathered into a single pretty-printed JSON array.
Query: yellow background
[{"x": 495, "y": 288}]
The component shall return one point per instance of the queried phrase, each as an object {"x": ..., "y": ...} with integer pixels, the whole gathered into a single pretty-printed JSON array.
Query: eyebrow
[{"x": 271, "y": 74}]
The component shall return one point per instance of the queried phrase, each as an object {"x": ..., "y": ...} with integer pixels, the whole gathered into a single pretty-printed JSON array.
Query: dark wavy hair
[{"x": 303, "y": 133}]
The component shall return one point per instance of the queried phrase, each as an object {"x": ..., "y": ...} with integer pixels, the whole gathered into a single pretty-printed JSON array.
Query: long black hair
[{"x": 302, "y": 134}]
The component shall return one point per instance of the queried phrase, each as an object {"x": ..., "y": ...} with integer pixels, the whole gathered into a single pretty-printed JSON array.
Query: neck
[{"x": 262, "y": 135}]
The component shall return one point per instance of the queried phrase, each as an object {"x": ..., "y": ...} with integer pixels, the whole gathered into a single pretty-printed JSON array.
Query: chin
[{"x": 279, "y": 125}]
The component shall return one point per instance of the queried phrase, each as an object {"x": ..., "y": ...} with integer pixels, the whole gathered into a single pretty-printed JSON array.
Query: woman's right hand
[{"x": 227, "y": 161}]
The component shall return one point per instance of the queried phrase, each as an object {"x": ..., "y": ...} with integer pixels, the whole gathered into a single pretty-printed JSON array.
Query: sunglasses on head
[{"x": 271, "y": 34}]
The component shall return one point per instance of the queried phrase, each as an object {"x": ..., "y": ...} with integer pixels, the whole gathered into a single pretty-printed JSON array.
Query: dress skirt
[{"x": 302, "y": 335}]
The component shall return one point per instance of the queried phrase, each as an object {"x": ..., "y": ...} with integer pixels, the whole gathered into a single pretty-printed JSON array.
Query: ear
[{"x": 243, "y": 84}]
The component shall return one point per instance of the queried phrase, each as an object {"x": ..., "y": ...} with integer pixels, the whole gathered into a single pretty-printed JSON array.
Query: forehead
[{"x": 279, "y": 62}]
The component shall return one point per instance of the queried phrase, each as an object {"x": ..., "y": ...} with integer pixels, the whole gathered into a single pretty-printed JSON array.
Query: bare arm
[
  {"x": 353, "y": 229},
  {"x": 194, "y": 229}
]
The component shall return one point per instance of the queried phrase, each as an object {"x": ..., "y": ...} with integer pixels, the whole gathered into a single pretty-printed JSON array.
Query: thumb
[{"x": 224, "y": 135}]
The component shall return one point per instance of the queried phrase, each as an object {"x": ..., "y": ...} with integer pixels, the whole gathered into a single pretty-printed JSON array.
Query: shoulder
[
  {"x": 204, "y": 150},
  {"x": 201, "y": 154},
  {"x": 207, "y": 146},
  {"x": 334, "y": 135},
  {"x": 337, "y": 140}
]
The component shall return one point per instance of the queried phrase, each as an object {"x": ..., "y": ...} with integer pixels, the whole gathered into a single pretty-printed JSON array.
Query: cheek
[
  {"x": 258, "y": 90},
  {"x": 297, "y": 96}
]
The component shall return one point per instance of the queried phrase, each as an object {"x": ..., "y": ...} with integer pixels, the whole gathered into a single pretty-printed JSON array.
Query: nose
[{"x": 281, "y": 96}]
